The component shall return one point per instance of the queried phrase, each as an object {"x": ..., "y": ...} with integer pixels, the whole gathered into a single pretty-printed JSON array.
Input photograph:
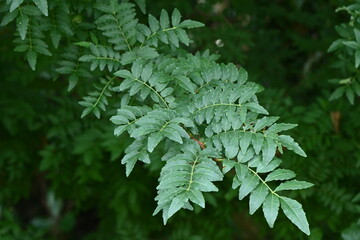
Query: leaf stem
[{"x": 257, "y": 175}]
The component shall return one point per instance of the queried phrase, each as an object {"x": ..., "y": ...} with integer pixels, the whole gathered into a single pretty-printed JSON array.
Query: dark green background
[{"x": 61, "y": 177}]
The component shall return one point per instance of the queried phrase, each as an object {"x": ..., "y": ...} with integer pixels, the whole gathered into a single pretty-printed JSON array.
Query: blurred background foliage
[{"x": 61, "y": 178}]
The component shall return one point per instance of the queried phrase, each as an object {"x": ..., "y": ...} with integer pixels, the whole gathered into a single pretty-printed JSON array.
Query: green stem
[
  {"x": 102, "y": 92},
  {"x": 272, "y": 191},
  {"x": 152, "y": 89},
  {"x": 153, "y": 34},
  {"x": 192, "y": 173}
]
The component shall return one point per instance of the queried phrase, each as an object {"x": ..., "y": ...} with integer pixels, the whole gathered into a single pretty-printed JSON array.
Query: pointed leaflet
[
  {"x": 263, "y": 168},
  {"x": 241, "y": 171},
  {"x": 142, "y": 5},
  {"x": 164, "y": 19},
  {"x": 271, "y": 209},
  {"x": 258, "y": 197},
  {"x": 42, "y": 5},
  {"x": 177, "y": 203},
  {"x": 357, "y": 58},
  {"x": 7, "y": 18},
  {"x": 245, "y": 141},
  {"x": 186, "y": 83},
  {"x": 257, "y": 142},
  {"x": 293, "y": 185},
  {"x": 293, "y": 210},
  {"x": 280, "y": 174},
  {"x": 124, "y": 74},
  {"x": 243, "y": 76},
  {"x": 264, "y": 122},
  {"x": 190, "y": 24},
  {"x": 129, "y": 160},
  {"x": 227, "y": 165},
  {"x": 248, "y": 184},
  {"x": 154, "y": 23},
  {"x": 31, "y": 57},
  {"x": 268, "y": 150},
  {"x": 247, "y": 93},
  {"x": 15, "y": 4},
  {"x": 255, "y": 107},
  {"x": 153, "y": 140},
  {"x": 182, "y": 35},
  {"x": 22, "y": 24},
  {"x": 196, "y": 197},
  {"x": 172, "y": 133},
  {"x": 231, "y": 145},
  {"x": 279, "y": 127},
  {"x": 290, "y": 144},
  {"x": 175, "y": 17}
]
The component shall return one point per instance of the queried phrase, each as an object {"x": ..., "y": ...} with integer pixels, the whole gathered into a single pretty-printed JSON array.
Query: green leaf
[
  {"x": 153, "y": 140},
  {"x": 227, "y": 165},
  {"x": 241, "y": 171},
  {"x": 175, "y": 17},
  {"x": 146, "y": 72},
  {"x": 9, "y": 17},
  {"x": 337, "y": 93},
  {"x": 257, "y": 142},
  {"x": 264, "y": 122},
  {"x": 147, "y": 52},
  {"x": 268, "y": 150},
  {"x": 15, "y": 4},
  {"x": 123, "y": 74},
  {"x": 264, "y": 168},
  {"x": 350, "y": 95},
  {"x": 42, "y": 5},
  {"x": 247, "y": 94},
  {"x": 164, "y": 20},
  {"x": 293, "y": 185},
  {"x": 357, "y": 58},
  {"x": 182, "y": 36},
  {"x": 83, "y": 44},
  {"x": 356, "y": 87},
  {"x": 352, "y": 44},
  {"x": 271, "y": 209},
  {"x": 136, "y": 69},
  {"x": 231, "y": 145},
  {"x": 293, "y": 210},
  {"x": 243, "y": 76},
  {"x": 171, "y": 133},
  {"x": 336, "y": 45},
  {"x": 55, "y": 38},
  {"x": 279, "y": 175},
  {"x": 191, "y": 24},
  {"x": 255, "y": 107},
  {"x": 357, "y": 34},
  {"x": 186, "y": 83},
  {"x": 177, "y": 203},
  {"x": 280, "y": 127},
  {"x": 245, "y": 141},
  {"x": 248, "y": 184},
  {"x": 290, "y": 144},
  {"x": 130, "y": 159},
  {"x": 31, "y": 57},
  {"x": 257, "y": 197},
  {"x": 142, "y": 5},
  {"x": 154, "y": 23},
  {"x": 145, "y": 130},
  {"x": 22, "y": 24},
  {"x": 196, "y": 197},
  {"x": 173, "y": 38}
]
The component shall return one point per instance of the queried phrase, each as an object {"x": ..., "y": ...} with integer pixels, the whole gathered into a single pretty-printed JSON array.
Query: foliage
[
  {"x": 191, "y": 122},
  {"x": 349, "y": 55}
]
